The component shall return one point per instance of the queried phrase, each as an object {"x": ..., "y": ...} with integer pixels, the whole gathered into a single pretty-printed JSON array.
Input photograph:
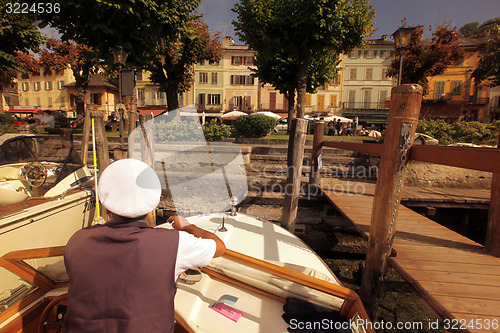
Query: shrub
[
  {"x": 214, "y": 131},
  {"x": 255, "y": 125},
  {"x": 177, "y": 131},
  {"x": 465, "y": 132},
  {"x": 7, "y": 119}
]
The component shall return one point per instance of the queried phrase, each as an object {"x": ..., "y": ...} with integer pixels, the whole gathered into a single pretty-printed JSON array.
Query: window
[
  {"x": 50, "y": 102},
  {"x": 62, "y": 101},
  {"x": 383, "y": 54},
  {"x": 353, "y": 73},
  {"x": 456, "y": 87},
  {"x": 383, "y": 97},
  {"x": 48, "y": 85},
  {"x": 439, "y": 91},
  {"x": 333, "y": 100},
  {"x": 369, "y": 74},
  {"x": 248, "y": 61},
  {"x": 95, "y": 99},
  {"x": 321, "y": 100},
  {"x": 369, "y": 54},
  {"x": 246, "y": 80},
  {"x": 335, "y": 80},
  {"x": 308, "y": 99},
  {"x": 60, "y": 85},
  {"x": 237, "y": 102},
  {"x": 384, "y": 74},
  {"x": 26, "y": 101},
  {"x": 214, "y": 99},
  {"x": 367, "y": 98},
  {"x": 36, "y": 86},
  {"x": 214, "y": 78},
  {"x": 38, "y": 104},
  {"x": 236, "y": 61},
  {"x": 141, "y": 94},
  {"x": 203, "y": 77},
  {"x": 139, "y": 76},
  {"x": 351, "y": 97},
  {"x": 26, "y": 86},
  {"x": 201, "y": 99},
  {"x": 353, "y": 55}
]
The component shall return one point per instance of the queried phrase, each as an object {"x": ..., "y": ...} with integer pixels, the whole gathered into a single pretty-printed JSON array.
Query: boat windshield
[
  {"x": 198, "y": 177},
  {"x": 22, "y": 149}
]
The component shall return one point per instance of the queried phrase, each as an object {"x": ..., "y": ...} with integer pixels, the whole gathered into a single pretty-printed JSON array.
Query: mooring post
[
  {"x": 147, "y": 139},
  {"x": 102, "y": 150},
  {"x": 314, "y": 176},
  {"x": 294, "y": 172},
  {"x": 84, "y": 152},
  {"x": 402, "y": 123},
  {"x": 493, "y": 230}
]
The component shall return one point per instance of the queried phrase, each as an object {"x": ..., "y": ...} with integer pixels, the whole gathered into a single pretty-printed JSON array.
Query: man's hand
[{"x": 178, "y": 222}]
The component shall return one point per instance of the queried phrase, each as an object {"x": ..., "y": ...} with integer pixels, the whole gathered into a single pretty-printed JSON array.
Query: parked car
[{"x": 281, "y": 125}]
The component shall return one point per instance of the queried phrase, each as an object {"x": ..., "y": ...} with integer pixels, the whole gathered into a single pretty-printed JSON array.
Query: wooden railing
[{"x": 403, "y": 117}]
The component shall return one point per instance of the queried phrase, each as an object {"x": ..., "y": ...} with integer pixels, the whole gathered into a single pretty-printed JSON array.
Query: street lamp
[
  {"x": 120, "y": 56},
  {"x": 402, "y": 38}
]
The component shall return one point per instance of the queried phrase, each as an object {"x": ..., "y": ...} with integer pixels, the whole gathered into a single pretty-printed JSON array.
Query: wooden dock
[{"x": 454, "y": 274}]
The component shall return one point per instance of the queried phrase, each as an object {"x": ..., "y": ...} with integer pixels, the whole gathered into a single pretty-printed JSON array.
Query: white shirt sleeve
[{"x": 193, "y": 252}]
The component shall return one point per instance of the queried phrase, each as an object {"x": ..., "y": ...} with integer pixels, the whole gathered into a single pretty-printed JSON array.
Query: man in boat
[{"x": 123, "y": 273}]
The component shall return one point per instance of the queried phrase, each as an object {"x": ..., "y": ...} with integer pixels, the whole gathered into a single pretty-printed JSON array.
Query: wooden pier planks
[{"x": 452, "y": 272}]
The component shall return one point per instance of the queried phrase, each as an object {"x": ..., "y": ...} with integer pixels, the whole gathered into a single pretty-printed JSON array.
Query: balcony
[
  {"x": 478, "y": 100},
  {"x": 365, "y": 107}
]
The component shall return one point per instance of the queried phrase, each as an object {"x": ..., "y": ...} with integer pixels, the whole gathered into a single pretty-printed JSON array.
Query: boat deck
[{"x": 453, "y": 273}]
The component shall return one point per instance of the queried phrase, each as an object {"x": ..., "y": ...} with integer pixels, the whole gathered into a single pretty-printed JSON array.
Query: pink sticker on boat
[{"x": 228, "y": 311}]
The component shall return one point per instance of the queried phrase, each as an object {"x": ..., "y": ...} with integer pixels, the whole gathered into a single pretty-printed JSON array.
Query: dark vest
[{"x": 122, "y": 278}]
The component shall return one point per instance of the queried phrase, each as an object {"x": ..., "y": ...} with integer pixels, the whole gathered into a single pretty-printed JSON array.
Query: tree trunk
[
  {"x": 302, "y": 83},
  {"x": 1, "y": 99},
  {"x": 291, "y": 105},
  {"x": 172, "y": 97}
]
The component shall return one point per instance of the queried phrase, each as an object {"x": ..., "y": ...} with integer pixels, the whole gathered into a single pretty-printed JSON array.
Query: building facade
[
  {"x": 366, "y": 88},
  {"x": 454, "y": 93}
]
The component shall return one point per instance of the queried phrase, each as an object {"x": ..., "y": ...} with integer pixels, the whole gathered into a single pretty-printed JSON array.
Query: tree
[
  {"x": 81, "y": 59},
  {"x": 18, "y": 36},
  {"x": 424, "y": 59},
  {"x": 281, "y": 73},
  {"x": 488, "y": 67},
  {"x": 469, "y": 29},
  {"x": 301, "y": 29},
  {"x": 172, "y": 62}
]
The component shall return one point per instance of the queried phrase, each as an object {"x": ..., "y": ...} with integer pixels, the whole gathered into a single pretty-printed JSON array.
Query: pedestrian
[
  {"x": 123, "y": 273},
  {"x": 331, "y": 128},
  {"x": 339, "y": 127},
  {"x": 348, "y": 131}
]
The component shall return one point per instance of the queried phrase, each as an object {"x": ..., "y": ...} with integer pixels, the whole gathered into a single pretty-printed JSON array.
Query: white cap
[{"x": 129, "y": 188}]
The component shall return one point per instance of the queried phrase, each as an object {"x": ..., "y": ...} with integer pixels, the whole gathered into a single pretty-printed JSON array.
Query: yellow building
[
  {"x": 240, "y": 88},
  {"x": 47, "y": 92},
  {"x": 454, "y": 92}
]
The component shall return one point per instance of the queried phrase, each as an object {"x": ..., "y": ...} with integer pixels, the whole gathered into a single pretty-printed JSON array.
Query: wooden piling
[
  {"x": 319, "y": 130},
  {"x": 84, "y": 151},
  {"x": 294, "y": 172},
  {"x": 102, "y": 150},
  {"x": 403, "y": 118},
  {"x": 493, "y": 230}
]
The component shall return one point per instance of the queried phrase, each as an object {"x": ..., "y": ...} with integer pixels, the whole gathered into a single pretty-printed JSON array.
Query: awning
[{"x": 22, "y": 110}]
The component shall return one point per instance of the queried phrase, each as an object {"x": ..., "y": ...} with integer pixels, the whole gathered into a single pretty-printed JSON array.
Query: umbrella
[
  {"x": 335, "y": 118},
  {"x": 269, "y": 114},
  {"x": 233, "y": 115}
]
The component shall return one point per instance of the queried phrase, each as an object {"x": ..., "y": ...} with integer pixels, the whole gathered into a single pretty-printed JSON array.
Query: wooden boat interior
[{"x": 34, "y": 284}]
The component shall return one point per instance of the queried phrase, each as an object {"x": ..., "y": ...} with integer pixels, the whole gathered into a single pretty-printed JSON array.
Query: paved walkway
[{"x": 450, "y": 271}]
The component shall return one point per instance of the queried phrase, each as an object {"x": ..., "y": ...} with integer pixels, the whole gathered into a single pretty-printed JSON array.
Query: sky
[{"x": 389, "y": 14}]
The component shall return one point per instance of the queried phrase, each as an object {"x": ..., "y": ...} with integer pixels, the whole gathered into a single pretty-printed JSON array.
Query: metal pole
[{"x": 120, "y": 109}]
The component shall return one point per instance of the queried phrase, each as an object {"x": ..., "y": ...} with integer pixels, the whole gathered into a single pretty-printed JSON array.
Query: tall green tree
[
  {"x": 18, "y": 35},
  {"x": 172, "y": 64},
  {"x": 488, "y": 67},
  {"x": 469, "y": 29},
  {"x": 57, "y": 56},
  {"x": 139, "y": 26},
  {"x": 300, "y": 29},
  {"x": 425, "y": 59}
]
